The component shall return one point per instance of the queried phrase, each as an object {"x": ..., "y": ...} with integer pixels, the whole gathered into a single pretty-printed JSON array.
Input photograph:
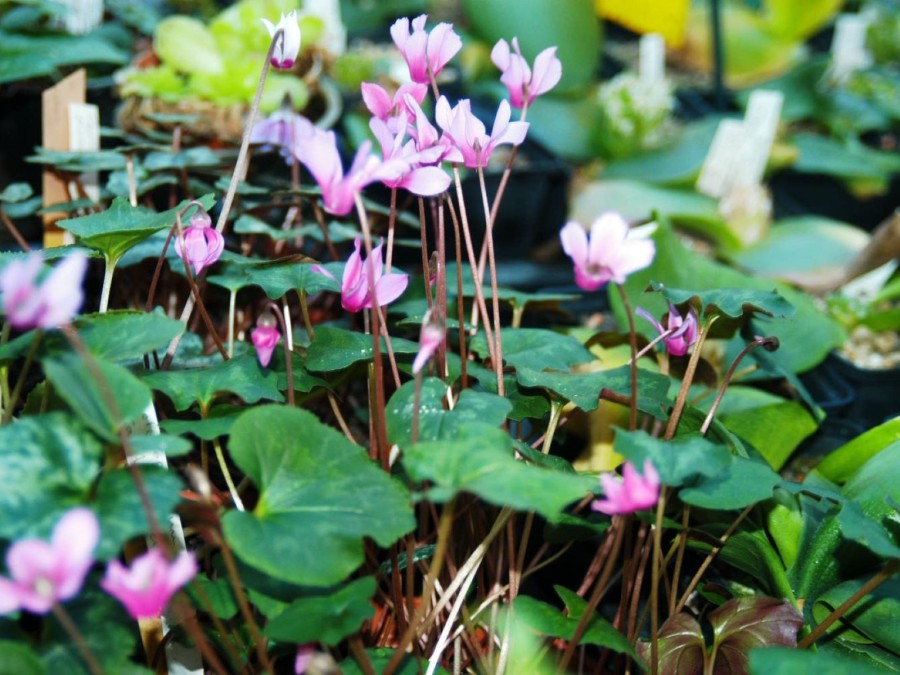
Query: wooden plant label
[
  {"x": 652, "y": 63},
  {"x": 55, "y": 103}
]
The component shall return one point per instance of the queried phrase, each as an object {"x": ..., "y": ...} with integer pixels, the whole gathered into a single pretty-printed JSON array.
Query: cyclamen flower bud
[
  {"x": 265, "y": 338},
  {"x": 203, "y": 245},
  {"x": 288, "y": 47}
]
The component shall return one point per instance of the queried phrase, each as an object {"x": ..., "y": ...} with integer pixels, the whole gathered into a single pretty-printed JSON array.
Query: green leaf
[
  {"x": 326, "y": 618},
  {"x": 751, "y": 551},
  {"x": 241, "y": 375},
  {"x": 18, "y": 659},
  {"x": 16, "y": 192},
  {"x": 820, "y": 154},
  {"x": 122, "y": 226},
  {"x": 677, "y": 460},
  {"x": 186, "y": 44},
  {"x": 860, "y": 529},
  {"x": 842, "y": 463},
  {"x": 379, "y": 658},
  {"x": 479, "y": 460},
  {"x": 121, "y": 512},
  {"x": 537, "y": 349},
  {"x": 220, "y": 594},
  {"x": 566, "y": 124},
  {"x": 171, "y": 446},
  {"x": 18, "y": 66},
  {"x": 735, "y": 303},
  {"x": 806, "y": 337},
  {"x": 676, "y": 164},
  {"x": 795, "y": 22},
  {"x": 120, "y": 335},
  {"x": 105, "y": 405},
  {"x": 49, "y": 465},
  {"x": 277, "y": 277},
  {"x": 192, "y": 158},
  {"x": 744, "y": 623},
  {"x": 436, "y": 423},
  {"x": 742, "y": 483},
  {"x": 319, "y": 495},
  {"x": 875, "y": 618},
  {"x": 681, "y": 646},
  {"x": 218, "y": 424},
  {"x": 338, "y": 348},
  {"x": 550, "y": 621},
  {"x": 78, "y": 161},
  {"x": 583, "y": 389},
  {"x": 787, "y": 661},
  {"x": 571, "y": 26}
]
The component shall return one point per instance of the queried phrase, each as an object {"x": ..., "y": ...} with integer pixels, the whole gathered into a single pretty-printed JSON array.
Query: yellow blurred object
[{"x": 666, "y": 17}]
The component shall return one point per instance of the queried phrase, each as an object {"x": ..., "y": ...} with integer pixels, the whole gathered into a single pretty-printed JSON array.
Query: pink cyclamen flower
[
  {"x": 361, "y": 275},
  {"x": 319, "y": 153},
  {"x": 631, "y": 493},
  {"x": 303, "y": 659},
  {"x": 285, "y": 53},
  {"x": 203, "y": 244},
  {"x": 146, "y": 587},
  {"x": 611, "y": 254},
  {"x": 265, "y": 338},
  {"x": 525, "y": 85},
  {"x": 394, "y": 110},
  {"x": 425, "y": 53},
  {"x": 285, "y": 130},
  {"x": 684, "y": 328},
  {"x": 466, "y": 136},
  {"x": 413, "y": 167},
  {"x": 431, "y": 337},
  {"x": 44, "y": 573},
  {"x": 48, "y": 305}
]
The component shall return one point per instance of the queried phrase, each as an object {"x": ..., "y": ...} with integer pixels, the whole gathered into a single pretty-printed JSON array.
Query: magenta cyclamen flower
[
  {"x": 285, "y": 130},
  {"x": 265, "y": 338},
  {"x": 203, "y": 244},
  {"x": 43, "y": 573},
  {"x": 288, "y": 47},
  {"x": 394, "y": 110},
  {"x": 426, "y": 53},
  {"x": 685, "y": 328},
  {"x": 50, "y": 304},
  {"x": 361, "y": 275},
  {"x": 414, "y": 170},
  {"x": 466, "y": 137},
  {"x": 525, "y": 85},
  {"x": 146, "y": 587},
  {"x": 631, "y": 493},
  {"x": 611, "y": 254}
]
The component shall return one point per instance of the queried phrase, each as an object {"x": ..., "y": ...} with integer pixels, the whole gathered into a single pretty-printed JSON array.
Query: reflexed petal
[
  {"x": 9, "y": 596},
  {"x": 547, "y": 73},
  {"x": 376, "y": 100},
  {"x": 607, "y": 234},
  {"x": 427, "y": 181},
  {"x": 500, "y": 54},
  {"x": 62, "y": 291},
  {"x": 390, "y": 287},
  {"x": 29, "y": 559},
  {"x": 575, "y": 242},
  {"x": 181, "y": 570}
]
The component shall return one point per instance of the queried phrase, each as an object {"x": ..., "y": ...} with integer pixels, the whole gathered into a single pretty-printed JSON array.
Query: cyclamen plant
[{"x": 393, "y": 490}]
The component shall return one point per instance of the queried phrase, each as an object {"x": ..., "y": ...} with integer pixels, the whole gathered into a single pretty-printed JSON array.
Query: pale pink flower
[
  {"x": 285, "y": 130},
  {"x": 631, "y": 493},
  {"x": 394, "y": 110},
  {"x": 425, "y": 53},
  {"x": 431, "y": 337},
  {"x": 415, "y": 172},
  {"x": 685, "y": 328},
  {"x": 203, "y": 244},
  {"x": 466, "y": 136},
  {"x": 611, "y": 254},
  {"x": 265, "y": 338},
  {"x": 146, "y": 587},
  {"x": 361, "y": 276},
  {"x": 303, "y": 659},
  {"x": 319, "y": 153},
  {"x": 525, "y": 85},
  {"x": 288, "y": 47},
  {"x": 51, "y": 304},
  {"x": 43, "y": 573}
]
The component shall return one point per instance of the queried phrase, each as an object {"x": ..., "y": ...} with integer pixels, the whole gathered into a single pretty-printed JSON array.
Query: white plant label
[
  {"x": 80, "y": 16},
  {"x": 848, "y": 47},
  {"x": 760, "y": 124},
  {"x": 652, "y": 63},
  {"x": 715, "y": 174},
  {"x": 84, "y": 136}
]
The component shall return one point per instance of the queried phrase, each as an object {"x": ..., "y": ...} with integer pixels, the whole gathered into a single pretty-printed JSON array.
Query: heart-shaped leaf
[
  {"x": 744, "y": 623},
  {"x": 319, "y": 495},
  {"x": 681, "y": 646},
  {"x": 537, "y": 349},
  {"x": 338, "y": 348},
  {"x": 677, "y": 460}
]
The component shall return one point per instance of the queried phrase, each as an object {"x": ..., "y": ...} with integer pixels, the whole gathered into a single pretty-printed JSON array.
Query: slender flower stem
[
  {"x": 479, "y": 294},
  {"x": 423, "y": 236},
  {"x": 632, "y": 406},
  {"x": 495, "y": 294},
  {"x": 288, "y": 352},
  {"x": 709, "y": 558},
  {"x": 192, "y": 627},
  {"x": 680, "y": 401},
  {"x": 14, "y": 231},
  {"x": 654, "y": 583},
  {"x": 886, "y": 573},
  {"x": 655, "y": 341},
  {"x": 20, "y": 382},
  {"x": 392, "y": 223},
  {"x": 304, "y": 311},
  {"x": 460, "y": 303},
  {"x": 232, "y": 302},
  {"x": 599, "y": 589},
  {"x": 769, "y": 343},
  {"x": 244, "y": 604},
  {"x": 679, "y": 557},
  {"x": 342, "y": 423},
  {"x": 108, "y": 271},
  {"x": 80, "y": 643},
  {"x": 132, "y": 180},
  {"x": 223, "y": 465}
]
